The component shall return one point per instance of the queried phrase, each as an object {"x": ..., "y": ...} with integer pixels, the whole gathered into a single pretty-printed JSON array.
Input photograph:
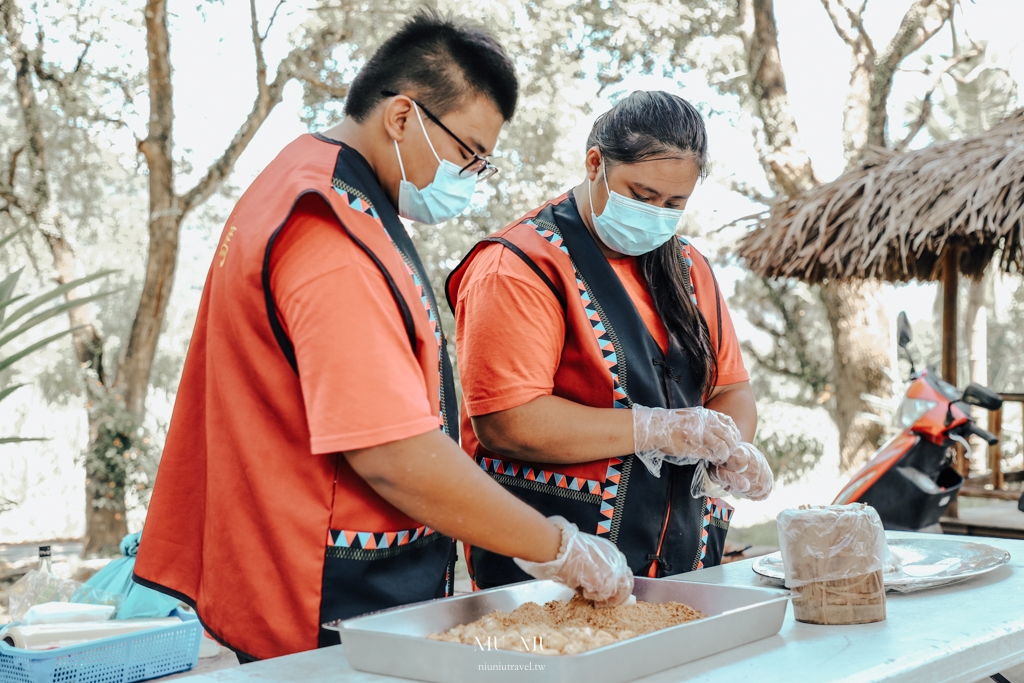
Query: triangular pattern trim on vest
[
  {"x": 375, "y": 540},
  {"x": 688, "y": 263},
  {"x": 705, "y": 523},
  {"x": 619, "y": 398},
  {"x": 517, "y": 471},
  {"x": 720, "y": 509},
  {"x": 364, "y": 205},
  {"x": 604, "y": 340}
]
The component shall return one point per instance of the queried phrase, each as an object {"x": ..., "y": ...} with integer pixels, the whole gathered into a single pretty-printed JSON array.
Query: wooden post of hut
[{"x": 950, "y": 286}]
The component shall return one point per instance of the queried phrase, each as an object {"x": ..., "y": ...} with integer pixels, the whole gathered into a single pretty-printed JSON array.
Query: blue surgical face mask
[
  {"x": 444, "y": 198},
  {"x": 632, "y": 227}
]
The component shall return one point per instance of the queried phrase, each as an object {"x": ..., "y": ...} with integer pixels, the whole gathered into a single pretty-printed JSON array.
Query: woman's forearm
[
  {"x": 737, "y": 401},
  {"x": 556, "y": 430}
]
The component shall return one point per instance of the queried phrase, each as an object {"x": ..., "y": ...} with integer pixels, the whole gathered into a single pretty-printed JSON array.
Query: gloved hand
[
  {"x": 592, "y": 565},
  {"x": 745, "y": 473},
  {"x": 682, "y": 436}
]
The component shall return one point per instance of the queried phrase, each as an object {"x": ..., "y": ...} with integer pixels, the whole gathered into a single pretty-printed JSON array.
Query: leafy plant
[
  {"x": 22, "y": 313},
  {"x": 121, "y": 455}
]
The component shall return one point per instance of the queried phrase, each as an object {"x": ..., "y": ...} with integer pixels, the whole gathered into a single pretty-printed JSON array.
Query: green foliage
[
  {"x": 795, "y": 365},
  {"x": 20, "y": 314},
  {"x": 791, "y": 372},
  {"x": 121, "y": 456},
  {"x": 786, "y": 436}
]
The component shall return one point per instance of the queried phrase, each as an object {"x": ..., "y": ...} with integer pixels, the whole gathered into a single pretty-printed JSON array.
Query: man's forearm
[{"x": 430, "y": 479}]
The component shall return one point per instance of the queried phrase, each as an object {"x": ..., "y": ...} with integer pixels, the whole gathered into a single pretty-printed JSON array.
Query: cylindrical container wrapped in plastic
[{"x": 833, "y": 558}]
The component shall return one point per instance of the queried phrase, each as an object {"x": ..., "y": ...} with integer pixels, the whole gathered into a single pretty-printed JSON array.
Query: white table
[{"x": 960, "y": 634}]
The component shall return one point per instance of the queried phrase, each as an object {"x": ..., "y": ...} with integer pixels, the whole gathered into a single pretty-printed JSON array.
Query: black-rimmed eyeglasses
[{"x": 483, "y": 168}]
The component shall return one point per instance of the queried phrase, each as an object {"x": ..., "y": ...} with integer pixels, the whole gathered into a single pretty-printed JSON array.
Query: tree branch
[
  {"x": 750, "y": 192},
  {"x": 857, "y": 20},
  {"x": 919, "y": 122},
  {"x": 12, "y": 168},
  {"x": 273, "y": 16},
  {"x": 294, "y": 66},
  {"x": 257, "y": 45},
  {"x": 844, "y": 32},
  {"x": 926, "y": 102},
  {"x": 914, "y": 31}
]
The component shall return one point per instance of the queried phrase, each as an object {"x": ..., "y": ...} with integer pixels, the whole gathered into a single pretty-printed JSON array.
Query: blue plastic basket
[{"x": 119, "y": 659}]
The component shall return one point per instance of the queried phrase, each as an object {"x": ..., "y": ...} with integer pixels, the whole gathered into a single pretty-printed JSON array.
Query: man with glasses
[{"x": 312, "y": 470}]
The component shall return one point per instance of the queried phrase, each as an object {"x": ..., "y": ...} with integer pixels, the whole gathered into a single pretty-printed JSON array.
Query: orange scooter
[{"x": 910, "y": 480}]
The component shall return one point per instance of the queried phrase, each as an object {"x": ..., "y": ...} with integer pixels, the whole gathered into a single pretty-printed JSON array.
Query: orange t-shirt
[
  {"x": 361, "y": 384},
  {"x": 510, "y": 329}
]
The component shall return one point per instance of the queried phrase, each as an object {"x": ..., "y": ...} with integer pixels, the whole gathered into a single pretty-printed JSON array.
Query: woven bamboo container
[
  {"x": 860, "y": 600},
  {"x": 833, "y": 557}
]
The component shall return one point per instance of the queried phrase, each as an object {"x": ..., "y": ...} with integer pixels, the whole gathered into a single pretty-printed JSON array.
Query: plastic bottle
[{"x": 45, "y": 564}]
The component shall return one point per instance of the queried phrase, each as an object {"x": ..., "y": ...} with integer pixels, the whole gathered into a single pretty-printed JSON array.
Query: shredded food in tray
[{"x": 567, "y": 628}]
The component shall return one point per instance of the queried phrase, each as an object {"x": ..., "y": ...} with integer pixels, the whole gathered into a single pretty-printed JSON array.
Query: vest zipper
[
  {"x": 656, "y": 559},
  {"x": 666, "y": 377}
]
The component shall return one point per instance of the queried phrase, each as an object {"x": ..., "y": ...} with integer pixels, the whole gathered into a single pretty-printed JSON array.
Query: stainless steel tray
[
  {"x": 393, "y": 642},
  {"x": 923, "y": 563}
]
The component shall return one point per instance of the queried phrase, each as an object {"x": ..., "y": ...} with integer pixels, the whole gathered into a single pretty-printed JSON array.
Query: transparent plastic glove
[
  {"x": 591, "y": 565},
  {"x": 745, "y": 474},
  {"x": 682, "y": 436}
]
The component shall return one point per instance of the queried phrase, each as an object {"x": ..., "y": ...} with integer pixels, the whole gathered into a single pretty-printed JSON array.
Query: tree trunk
[
  {"x": 785, "y": 160},
  {"x": 104, "y": 527},
  {"x": 860, "y": 330},
  {"x": 164, "y": 216},
  {"x": 859, "y": 327}
]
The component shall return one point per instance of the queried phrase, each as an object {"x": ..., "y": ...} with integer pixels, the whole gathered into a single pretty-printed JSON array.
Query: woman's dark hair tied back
[
  {"x": 651, "y": 125},
  {"x": 658, "y": 125}
]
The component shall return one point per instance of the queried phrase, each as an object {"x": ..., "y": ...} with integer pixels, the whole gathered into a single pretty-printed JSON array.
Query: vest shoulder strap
[
  {"x": 287, "y": 348},
  {"x": 718, "y": 301},
  {"x": 533, "y": 266}
]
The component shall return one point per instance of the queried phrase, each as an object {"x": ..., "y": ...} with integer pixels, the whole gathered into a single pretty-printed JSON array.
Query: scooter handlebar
[{"x": 989, "y": 437}]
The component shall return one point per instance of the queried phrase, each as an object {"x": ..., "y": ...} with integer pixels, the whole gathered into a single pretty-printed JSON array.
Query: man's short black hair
[{"x": 440, "y": 59}]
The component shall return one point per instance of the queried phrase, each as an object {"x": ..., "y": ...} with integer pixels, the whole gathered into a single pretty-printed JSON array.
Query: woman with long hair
[{"x": 602, "y": 377}]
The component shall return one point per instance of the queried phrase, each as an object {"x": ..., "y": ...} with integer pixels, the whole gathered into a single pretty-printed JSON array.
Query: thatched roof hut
[
  {"x": 927, "y": 214},
  {"x": 894, "y": 215}
]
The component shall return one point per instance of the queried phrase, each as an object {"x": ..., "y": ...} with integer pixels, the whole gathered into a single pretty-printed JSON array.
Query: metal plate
[
  {"x": 393, "y": 642},
  {"x": 925, "y": 563}
]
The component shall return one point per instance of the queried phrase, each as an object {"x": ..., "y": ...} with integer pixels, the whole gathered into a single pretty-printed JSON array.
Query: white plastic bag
[
  {"x": 67, "y": 613},
  {"x": 37, "y": 587},
  {"x": 827, "y": 543}
]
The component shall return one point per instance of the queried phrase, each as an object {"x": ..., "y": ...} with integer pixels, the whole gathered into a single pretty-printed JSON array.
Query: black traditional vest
[{"x": 654, "y": 521}]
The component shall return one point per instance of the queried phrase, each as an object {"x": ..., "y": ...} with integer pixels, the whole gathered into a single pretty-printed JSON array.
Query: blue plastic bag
[{"x": 139, "y": 601}]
